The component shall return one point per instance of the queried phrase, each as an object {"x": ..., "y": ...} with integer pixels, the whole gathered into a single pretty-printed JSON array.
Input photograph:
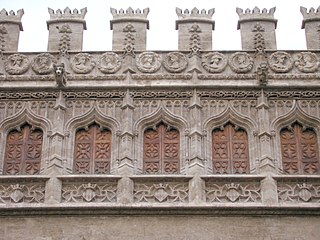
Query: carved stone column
[
  {"x": 129, "y": 29},
  {"x": 257, "y": 28},
  {"x": 66, "y": 30},
  {"x": 126, "y": 165},
  {"x": 10, "y": 27},
  {"x": 195, "y": 29},
  {"x": 311, "y": 24},
  {"x": 57, "y": 138}
]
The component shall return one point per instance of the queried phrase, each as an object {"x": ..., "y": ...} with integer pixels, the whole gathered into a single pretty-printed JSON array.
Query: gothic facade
[{"x": 134, "y": 139}]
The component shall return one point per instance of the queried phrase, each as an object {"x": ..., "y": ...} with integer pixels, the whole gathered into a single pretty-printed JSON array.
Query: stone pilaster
[
  {"x": 53, "y": 190},
  {"x": 269, "y": 191},
  {"x": 57, "y": 139},
  {"x": 196, "y": 164},
  {"x": 257, "y": 29},
  {"x": 10, "y": 27},
  {"x": 311, "y": 24},
  {"x": 129, "y": 29},
  {"x": 195, "y": 29},
  {"x": 66, "y": 30}
]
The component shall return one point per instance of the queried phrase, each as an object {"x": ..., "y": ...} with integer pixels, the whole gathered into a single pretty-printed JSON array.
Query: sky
[{"x": 162, "y": 16}]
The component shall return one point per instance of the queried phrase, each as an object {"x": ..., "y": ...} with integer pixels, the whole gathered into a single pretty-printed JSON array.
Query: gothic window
[
  {"x": 299, "y": 148},
  {"x": 230, "y": 150},
  {"x": 161, "y": 150},
  {"x": 92, "y": 152},
  {"x": 23, "y": 150}
]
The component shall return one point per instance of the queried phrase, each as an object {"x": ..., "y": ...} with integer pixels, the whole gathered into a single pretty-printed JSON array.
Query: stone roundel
[
  {"x": 109, "y": 62},
  {"x": 148, "y": 62},
  {"x": 214, "y": 62},
  {"x": 241, "y": 62},
  {"x": 280, "y": 62},
  {"x": 43, "y": 63},
  {"x": 16, "y": 64},
  {"x": 175, "y": 62},
  {"x": 307, "y": 62},
  {"x": 82, "y": 63}
]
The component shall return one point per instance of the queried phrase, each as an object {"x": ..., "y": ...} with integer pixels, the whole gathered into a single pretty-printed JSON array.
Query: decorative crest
[
  {"x": 195, "y": 13},
  {"x": 66, "y": 15},
  {"x": 312, "y": 15},
  {"x": 11, "y": 17},
  {"x": 256, "y": 15},
  {"x": 137, "y": 14}
]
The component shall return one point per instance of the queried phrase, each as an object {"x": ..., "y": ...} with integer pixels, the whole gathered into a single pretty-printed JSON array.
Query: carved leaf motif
[{"x": 296, "y": 192}]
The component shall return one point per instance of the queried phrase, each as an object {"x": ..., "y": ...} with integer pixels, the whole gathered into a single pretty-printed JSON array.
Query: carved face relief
[
  {"x": 280, "y": 62},
  {"x": 175, "y": 62},
  {"x": 17, "y": 64},
  {"x": 43, "y": 63},
  {"x": 82, "y": 63},
  {"x": 214, "y": 62},
  {"x": 307, "y": 62},
  {"x": 148, "y": 62},
  {"x": 109, "y": 63},
  {"x": 241, "y": 62}
]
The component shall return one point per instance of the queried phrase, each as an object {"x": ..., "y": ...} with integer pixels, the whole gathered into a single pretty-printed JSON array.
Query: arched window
[
  {"x": 23, "y": 151},
  {"x": 161, "y": 151},
  {"x": 92, "y": 152},
  {"x": 230, "y": 150},
  {"x": 299, "y": 148}
]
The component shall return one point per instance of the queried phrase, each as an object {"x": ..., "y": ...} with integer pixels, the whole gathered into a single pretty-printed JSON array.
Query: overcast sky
[{"x": 162, "y": 34}]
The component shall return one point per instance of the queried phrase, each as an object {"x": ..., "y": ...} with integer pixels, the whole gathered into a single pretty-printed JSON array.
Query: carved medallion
[
  {"x": 109, "y": 63},
  {"x": 280, "y": 62},
  {"x": 148, "y": 62},
  {"x": 307, "y": 62},
  {"x": 241, "y": 62},
  {"x": 43, "y": 63},
  {"x": 214, "y": 62},
  {"x": 175, "y": 62},
  {"x": 82, "y": 63},
  {"x": 17, "y": 64}
]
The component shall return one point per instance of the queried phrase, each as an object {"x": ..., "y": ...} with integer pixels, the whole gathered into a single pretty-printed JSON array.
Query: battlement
[
  {"x": 129, "y": 15},
  {"x": 256, "y": 15},
  {"x": 12, "y": 17},
  {"x": 312, "y": 15},
  {"x": 67, "y": 16},
  {"x": 195, "y": 13}
]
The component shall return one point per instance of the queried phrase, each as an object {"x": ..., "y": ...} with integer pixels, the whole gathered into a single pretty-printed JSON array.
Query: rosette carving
[
  {"x": 175, "y": 62},
  {"x": 82, "y": 63},
  {"x": 17, "y": 64},
  {"x": 148, "y": 62},
  {"x": 307, "y": 62},
  {"x": 109, "y": 63},
  {"x": 241, "y": 62},
  {"x": 214, "y": 62},
  {"x": 280, "y": 62},
  {"x": 43, "y": 63}
]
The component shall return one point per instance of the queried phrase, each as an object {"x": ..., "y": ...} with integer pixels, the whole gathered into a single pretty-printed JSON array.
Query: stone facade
[{"x": 135, "y": 139}]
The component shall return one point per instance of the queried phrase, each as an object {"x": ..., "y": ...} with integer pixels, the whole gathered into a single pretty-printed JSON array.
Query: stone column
[
  {"x": 10, "y": 27},
  {"x": 195, "y": 29},
  {"x": 126, "y": 165},
  {"x": 257, "y": 29},
  {"x": 129, "y": 29},
  {"x": 66, "y": 30},
  {"x": 266, "y": 161},
  {"x": 196, "y": 165},
  {"x": 311, "y": 24}
]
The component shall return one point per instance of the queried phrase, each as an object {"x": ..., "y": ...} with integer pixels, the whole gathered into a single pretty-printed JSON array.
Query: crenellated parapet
[
  {"x": 311, "y": 24},
  {"x": 195, "y": 29},
  {"x": 257, "y": 28},
  {"x": 10, "y": 27},
  {"x": 129, "y": 29},
  {"x": 66, "y": 29}
]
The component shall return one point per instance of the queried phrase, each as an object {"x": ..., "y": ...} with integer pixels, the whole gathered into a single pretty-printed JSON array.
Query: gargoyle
[{"x": 60, "y": 74}]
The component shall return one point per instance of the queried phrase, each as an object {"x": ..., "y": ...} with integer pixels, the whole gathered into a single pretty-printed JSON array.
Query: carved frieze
[
  {"x": 22, "y": 193},
  {"x": 17, "y": 64},
  {"x": 290, "y": 192},
  {"x": 307, "y": 62},
  {"x": 175, "y": 62},
  {"x": 163, "y": 192},
  {"x": 214, "y": 62},
  {"x": 109, "y": 62},
  {"x": 234, "y": 192},
  {"x": 99, "y": 191},
  {"x": 148, "y": 62},
  {"x": 280, "y": 62},
  {"x": 82, "y": 63},
  {"x": 241, "y": 62},
  {"x": 43, "y": 63}
]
